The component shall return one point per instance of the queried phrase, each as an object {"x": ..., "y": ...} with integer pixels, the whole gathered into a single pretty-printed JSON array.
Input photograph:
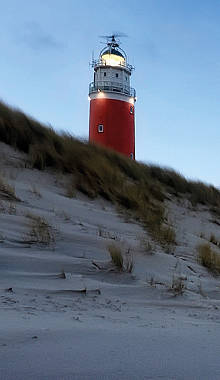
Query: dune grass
[
  {"x": 123, "y": 262},
  {"x": 196, "y": 191},
  {"x": 209, "y": 258},
  {"x": 214, "y": 240},
  {"x": 116, "y": 256},
  {"x": 178, "y": 285},
  {"x": 137, "y": 188},
  {"x": 7, "y": 191},
  {"x": 40, "y": 231}
]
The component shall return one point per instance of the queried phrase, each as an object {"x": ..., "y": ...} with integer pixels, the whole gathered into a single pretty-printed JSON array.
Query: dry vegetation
[
  {"x": 178, "y": 285},
  {"x": 8, "y": 208},
  {"x": 214, "y": 240},
  {"x": 40, "y": 231},
  {"x": 209, "y": 258},
  {"x": 137, "y": 188},
  {"x": 123, "y": 262},
  {"x": 7, "y": 191}
]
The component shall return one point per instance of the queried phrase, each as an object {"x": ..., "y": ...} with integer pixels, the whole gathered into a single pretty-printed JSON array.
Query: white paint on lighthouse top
[{"x": 111, "y": 71}]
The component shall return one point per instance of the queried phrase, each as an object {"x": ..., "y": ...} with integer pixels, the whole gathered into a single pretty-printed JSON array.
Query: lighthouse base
[{"x": 112, "y": 124}]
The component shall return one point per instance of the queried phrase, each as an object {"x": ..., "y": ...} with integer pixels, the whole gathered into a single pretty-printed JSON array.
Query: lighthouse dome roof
[{"x": 113, "y": 51}]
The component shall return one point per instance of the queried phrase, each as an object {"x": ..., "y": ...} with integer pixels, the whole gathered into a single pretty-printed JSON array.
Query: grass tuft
[
  {"x": 209, "y": 258},
  {"x": 178, "y": 285},
  {"x": 214, "y": 240},
  {"x": 40, "y": 231},
  {"x": 7, "y": 191},
  {"x": 116, "y": 256},
  {"x": 123, "y": 263}
]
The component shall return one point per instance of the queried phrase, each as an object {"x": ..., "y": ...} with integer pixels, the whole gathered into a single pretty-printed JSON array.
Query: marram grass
[{"x": 137, "y": 188}]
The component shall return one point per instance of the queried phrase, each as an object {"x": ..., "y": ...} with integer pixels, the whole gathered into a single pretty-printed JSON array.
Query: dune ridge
[{"x": 66, "y": 310}]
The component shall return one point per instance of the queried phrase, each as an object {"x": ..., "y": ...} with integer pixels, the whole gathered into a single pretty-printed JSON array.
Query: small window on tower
[
  {"x": 104, "y": 74},
  {"x": 116, "y": 75},
  {"x": 131, "y": 109},
  {"x": 100, "y": 128}
]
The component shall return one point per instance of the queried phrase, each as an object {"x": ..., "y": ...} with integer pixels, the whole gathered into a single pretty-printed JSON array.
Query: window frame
[{"x": 100, "y": 128}]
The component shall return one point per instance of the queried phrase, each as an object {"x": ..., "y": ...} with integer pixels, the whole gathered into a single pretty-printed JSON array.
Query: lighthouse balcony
[{"x": 111, "y": 87}]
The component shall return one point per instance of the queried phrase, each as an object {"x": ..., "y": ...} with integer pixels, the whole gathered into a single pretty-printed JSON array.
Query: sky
[{"x": 46, "y": 47}]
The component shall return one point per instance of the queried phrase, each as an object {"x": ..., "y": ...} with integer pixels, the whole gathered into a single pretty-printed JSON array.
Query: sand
[{"x": 63, "y": 318}]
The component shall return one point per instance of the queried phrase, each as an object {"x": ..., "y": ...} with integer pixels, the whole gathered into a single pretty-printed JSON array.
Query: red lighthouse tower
[{"x": 112, "y": 100}]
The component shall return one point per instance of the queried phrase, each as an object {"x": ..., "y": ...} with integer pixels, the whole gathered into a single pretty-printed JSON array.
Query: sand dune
[{"x": 64, "y": 318}]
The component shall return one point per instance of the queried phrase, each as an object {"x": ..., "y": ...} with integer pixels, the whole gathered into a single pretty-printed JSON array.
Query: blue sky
[{"x": 46, "y": 47}]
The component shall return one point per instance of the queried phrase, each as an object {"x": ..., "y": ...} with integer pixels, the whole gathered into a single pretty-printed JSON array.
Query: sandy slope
[{"x": 126, "y": 326}]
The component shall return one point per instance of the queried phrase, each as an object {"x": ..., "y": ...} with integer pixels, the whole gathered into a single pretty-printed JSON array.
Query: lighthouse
[{"x": 112, "y": 101}]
